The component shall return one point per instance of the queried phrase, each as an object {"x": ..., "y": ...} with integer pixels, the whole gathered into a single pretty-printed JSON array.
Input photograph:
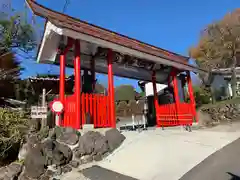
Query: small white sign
[
  {"x": 38, "y": 112},
  {"x": 57, "y": 106}
]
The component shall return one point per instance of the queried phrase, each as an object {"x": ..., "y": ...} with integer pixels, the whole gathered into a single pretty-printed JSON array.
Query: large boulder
[
  {"x": 91, "y": 143},
  {"x": 24, "y": 176},
  {"x": 114, "y": 138},
  {"x": 34, "y": 162},
  {"x": 11, "y": 171},
  {"x": 67, "y": 152},
  {"x": 101, "y": 145},
  {"x": 56, "y": 153},
  {"x": 31, "y": 141},
  {"x": 87, "y": 143},
  {"x": 69, "y": 136}
]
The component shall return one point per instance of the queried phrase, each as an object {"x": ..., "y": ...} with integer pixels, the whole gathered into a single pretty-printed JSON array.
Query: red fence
[
  {"x": 171, "y": 115},
  {"x": 94, "y": 104},
  {"x": 97, "y": 106}
]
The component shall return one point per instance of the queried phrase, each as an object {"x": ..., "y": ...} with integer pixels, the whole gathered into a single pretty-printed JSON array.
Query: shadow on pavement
[
  {"x": 99, "y": 173},
  {"x": 224, "y": 164},
  {"x": 234, "y": 177}
]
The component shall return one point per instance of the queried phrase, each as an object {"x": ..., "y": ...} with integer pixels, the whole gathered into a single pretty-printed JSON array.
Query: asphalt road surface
[
  {"x": 99, "y": 173},
  {"x": 221, "y": 165}
]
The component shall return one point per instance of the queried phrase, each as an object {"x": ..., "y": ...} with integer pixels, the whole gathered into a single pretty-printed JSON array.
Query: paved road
[
  {"x": 222, "y": 165},
  {"x": 167, "y": 154}
]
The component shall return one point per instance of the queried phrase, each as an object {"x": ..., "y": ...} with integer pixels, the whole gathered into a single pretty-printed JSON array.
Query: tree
[
  {"x": 9, "y": 66},
  {"x": 9, "y": 70},
  {"x": 201, "y": 95},
  {"x": 219, "y": 45},
  {"x": 124, "y": 93},
  {"x": 17, "y": 36}
]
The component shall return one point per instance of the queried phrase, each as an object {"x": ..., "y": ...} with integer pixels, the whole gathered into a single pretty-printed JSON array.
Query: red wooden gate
[
  {"x": 171, "y": 115},
  {"x": 94, "y": 104}
]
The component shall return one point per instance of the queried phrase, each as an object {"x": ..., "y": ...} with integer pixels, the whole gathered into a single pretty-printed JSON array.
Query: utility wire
[{"x": 67, "y": 2}]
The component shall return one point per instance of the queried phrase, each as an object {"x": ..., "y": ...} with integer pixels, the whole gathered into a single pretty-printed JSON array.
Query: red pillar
[
  {"x": 191, "y": 95},
  {"x": 77, "y": 70},
  {"x": 62, "y": 72},
  {"x": 176, "y": 92},
  {"x": 111, "y": 89},
  {"x": 62, "y": 77}
]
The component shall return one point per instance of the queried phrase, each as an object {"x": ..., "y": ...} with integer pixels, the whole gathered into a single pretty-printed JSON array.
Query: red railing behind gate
[
  {"x": 69, "y": 116},
  {"x": 171, "y": 115},
  {"x": 94, "y": 104}
]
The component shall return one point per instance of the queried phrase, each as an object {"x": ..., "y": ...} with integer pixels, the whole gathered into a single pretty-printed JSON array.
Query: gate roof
[{"x": 132, "y": 58}]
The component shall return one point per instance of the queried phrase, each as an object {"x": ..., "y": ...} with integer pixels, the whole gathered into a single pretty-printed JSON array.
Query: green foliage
[
  {"x": 9, "y": 72},
  {"x": 202, "y": 95},
  {"x": 16, "y": 33},
  {"x": 142, "y": 94},
  {"x": 124, "y": 93},
  {"x": 13, "y": 125}
]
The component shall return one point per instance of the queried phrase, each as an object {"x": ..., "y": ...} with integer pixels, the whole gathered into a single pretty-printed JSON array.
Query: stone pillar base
[{"x": 88, "y": 127}]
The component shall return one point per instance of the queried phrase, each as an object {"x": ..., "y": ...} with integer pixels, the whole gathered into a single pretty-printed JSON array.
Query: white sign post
[
  {"x": 57, "y": 107},
  {"x": 38, "y": 112}
]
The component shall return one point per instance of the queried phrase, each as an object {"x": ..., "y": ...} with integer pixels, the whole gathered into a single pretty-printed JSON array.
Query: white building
[
  {"x": 148, "y": 88},
  {"x": 221, "y": 81}
]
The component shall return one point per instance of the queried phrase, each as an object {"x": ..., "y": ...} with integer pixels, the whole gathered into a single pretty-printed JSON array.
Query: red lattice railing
[
  {"x": 171, "y": 115},
  {"x": 94, "y": 104}
]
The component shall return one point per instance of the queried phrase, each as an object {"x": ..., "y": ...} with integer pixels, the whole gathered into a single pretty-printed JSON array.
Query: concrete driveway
[{"x": 167, "y": 154}]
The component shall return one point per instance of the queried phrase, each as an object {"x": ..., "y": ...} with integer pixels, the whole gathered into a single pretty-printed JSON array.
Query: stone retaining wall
[
  {"x": 50, "y": 153},
  {"x": 223, "y": 113}
]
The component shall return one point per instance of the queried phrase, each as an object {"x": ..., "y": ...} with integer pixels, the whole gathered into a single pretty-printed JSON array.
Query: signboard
[
  {"x": 38, "y": 112},
  {"x": 57, "y": 107}
]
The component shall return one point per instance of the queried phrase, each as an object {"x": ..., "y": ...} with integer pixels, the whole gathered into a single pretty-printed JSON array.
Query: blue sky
[{"x": 170, "y": 24}]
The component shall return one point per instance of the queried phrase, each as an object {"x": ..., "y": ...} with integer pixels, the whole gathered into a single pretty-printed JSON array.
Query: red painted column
[
  {"x": 111, "y": 89},
  {"x": 191, "y": 95},
  {"x": 77, "y": 70},
  {"x": 175, "y": 89},
  {"x": 62, "y": 78},
  {"x": 62, "y": 69}
]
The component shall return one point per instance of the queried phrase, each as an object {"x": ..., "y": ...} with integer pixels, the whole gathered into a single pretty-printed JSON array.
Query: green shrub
[
  {"x": 202, "y": 96},
  {"x": 13, "y": 125}
]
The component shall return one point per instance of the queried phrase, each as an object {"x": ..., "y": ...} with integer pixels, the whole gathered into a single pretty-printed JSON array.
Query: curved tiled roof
[{"x": 77, "y": 25}]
